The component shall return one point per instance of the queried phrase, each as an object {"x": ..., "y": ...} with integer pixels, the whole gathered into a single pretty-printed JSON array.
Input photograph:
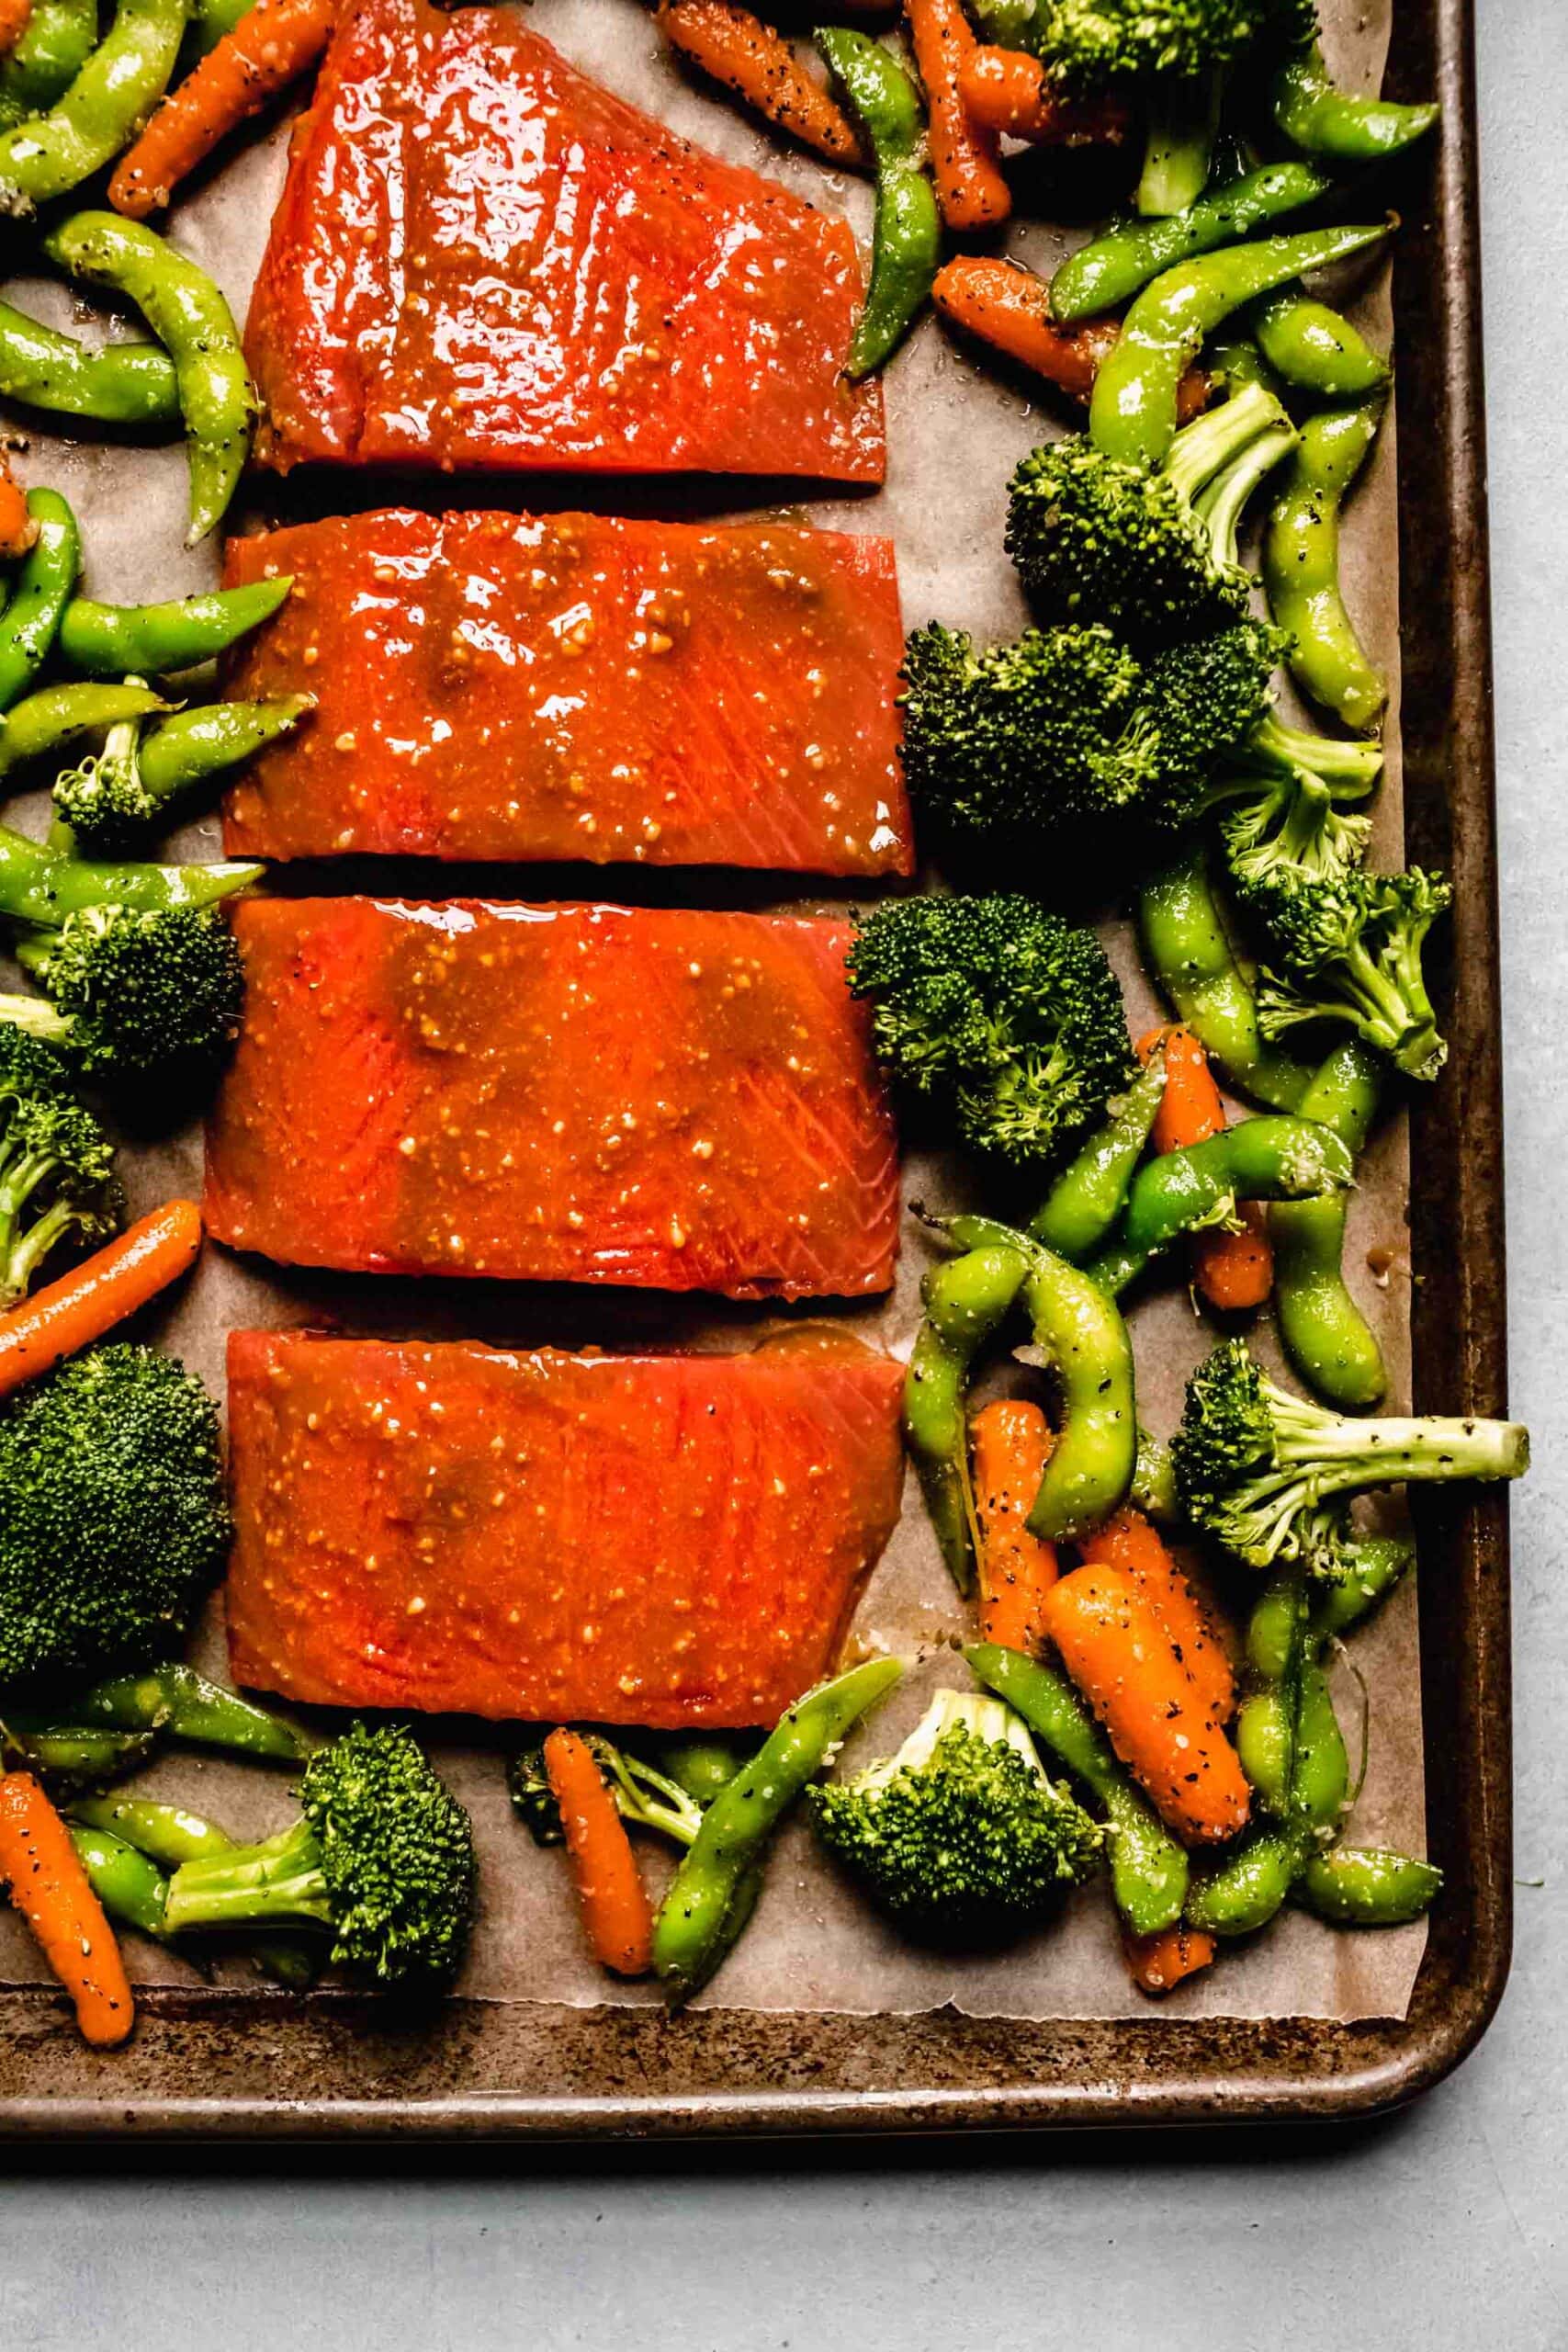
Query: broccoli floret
[
  {"x": 1352, "y": 946},
  {"x": 134, "y": 992},
  {"x": 104, "y": 800},
  {"x": 113, "y": 1523},
  {"x": 1281, "y": 830},
  {"x": 1255, "y": 1466},
  {"x": 1096, "y": 538},
  {"x": 1090, "y": 44},
  {"x": 1010, "y": 1017},
  {"x": 383, "y": 1855},
  {"x": 110, "y": 801},
  {"x": 1208, "y": 701},
  {"x": 642, "y": 1793},
  {"x": 961, "y": 1836},
  {"x": 57, "y": 1179}
]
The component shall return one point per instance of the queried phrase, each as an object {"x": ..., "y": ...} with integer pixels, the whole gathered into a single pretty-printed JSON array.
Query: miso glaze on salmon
[
  {"x": 482, "y": 259},
  {"x": 648, "y": 1539},
  {"x": 569, "y": 686},
  {"x": 681, "y": 1100}
]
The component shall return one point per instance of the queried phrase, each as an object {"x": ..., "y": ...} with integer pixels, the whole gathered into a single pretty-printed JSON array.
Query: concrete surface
[{"x": 1442, "y": 2228}]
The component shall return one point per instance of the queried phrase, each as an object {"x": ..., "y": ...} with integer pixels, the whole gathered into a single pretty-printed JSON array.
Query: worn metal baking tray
[{"x": 221, "y": 2063}]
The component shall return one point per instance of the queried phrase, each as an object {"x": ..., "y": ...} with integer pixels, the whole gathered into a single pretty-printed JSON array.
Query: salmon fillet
[
  {"x": 510, "y": 687},
  {"x": 680, "y": 1101},
  {"x": 659, "y": 1539},
  {"x": 483, "y": 258}
]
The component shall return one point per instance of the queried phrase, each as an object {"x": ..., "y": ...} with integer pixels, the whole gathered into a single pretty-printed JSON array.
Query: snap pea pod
[
  {"x": 128, "y": 1885},
  {"x": 168, "y": 1835},
  {"x": 1148, "y": 1868},
  {"x": 189, "y": 316},
  {"x": 192, "y": 744},
  {"x": 74, "y": 1754},
  {"x": 1133, "y": 410},
  {"x": 1279, "y": 1640},
  {"x": 1367, "y": 1886},
  {"x": 1153, "y": 1490},
  {"x": 102, "y": 111},
  {"x": 31, "y": 619},
  {"x": 1238, "y": 362},
  {"x": 1322, "y": 121},
  {"x": 907, "y": 237},
  {"x": 1301, "y": 564},
  {"x": 157, "y": 640},
  {"x": 965, "y": 1300},
  {"x": 59, "y": 37},
  {"x": 1089, "y": 1196},
  {"x": 1191, "y": 962},
  {"x": 703, "y": 1912},
  {"x": 40, "y": 886},
  {"x": 1379, "y": 1563},
  {"x": 1079, "y": 1332},
  {"x": 1110, "y": 270},
  {"x": 1320, "y": 1783},
  {"x": 119, "y": 383},
  {"x": 1250, "y": 1887},
  {"x": 1324, "y": 1332},
  {"x": 1256, "y": 1159},
  {"x": 177, "y": 1699},
  {"x": 53, "y": 716},
  {"x": 1316, "y": 348},
  {"x": 701, "y": 1767}
]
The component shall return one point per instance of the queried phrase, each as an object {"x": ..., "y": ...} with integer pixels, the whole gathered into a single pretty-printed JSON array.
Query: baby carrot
[
  {"x": 91, "y": 1299},
  {"x": 761, "y": 66},
  {"x": 1009, "y": 308},
  {"x": 1129, "y": 1542},
  {"x": 1116, "y": 1650},
  {"x": 1159, "y": 1963},
  {"x": 1233, "y": 1270},
  {"x": 272, "y": 44},
  {"x": 18, "y": 528},
  {"x": 970, "y": 187},
  {"x": 1010, "y": 1445},
  {"x": 615, "y": 1908},
  {"x": 1005, "y": 90},
  {"x": 49, "y": 1887}
]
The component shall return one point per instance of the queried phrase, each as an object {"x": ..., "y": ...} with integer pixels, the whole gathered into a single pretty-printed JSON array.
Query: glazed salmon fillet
[
  {"x": 481, "y": 258},
  {"x": 497, "y": 686},
  {"x": 664, "y": 1540},
  {"x": 681, "y": 1100}
]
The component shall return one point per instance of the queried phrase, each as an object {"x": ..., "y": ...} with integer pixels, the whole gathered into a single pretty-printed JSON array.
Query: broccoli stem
[
  {"x": 1343, "y": 1453},
  {"x": 1184, "y": 120},
  {"x": 280, "y": 1879},
  {"x": 1225, "y": 501},
  {"x": 1353, "y": 766},
  {"x": 1206, "y": 448}
]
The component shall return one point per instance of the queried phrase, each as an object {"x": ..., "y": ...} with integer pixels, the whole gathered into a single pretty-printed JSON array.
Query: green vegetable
[
  {"x": 1133, "y": 408},
  {"x": 132, "y": 993},
  {"x": 106, "y": 106},
  {"x": 50, "y": 719},
  {"x": 56, "y": 43},
  {"x": 1349, "y": 950},
  {"x": 907, "y": 236},
  {"x": 1096, "y": 539},
  {"x": 965, "y": 1300},
  {"x": 73, "y": 1756},
  {"x": 173, "y": 1698},
  {"x": 1314, "y": 348},
  {"x": 643, "y": 1794},
  {"x": 1080, "y": 1335},
  {"x": 1301, "y": 564},
  {"x": 701, "y": 1765},
  {"x": 43, "y": 886},
  {"x": 713, "y": 1891},
  {"x": 136, "y": 781},
  {"x": 1010, "y": 1019},
  {"x": 1255, "y": 1465},
  {"x": 114, "y": 640},
  {"x": 131, "y": 1889},
  {"x": 113, "y": 1523},
  {"x": 32, "y": 617},
  {"x": 1089, "y": 1195},
  {"x": 1182, "y": 1192},
  {"x": 1148, "y": 1868},
  {"x": 382, "y": 1855},
  {"x": 1321, "y": 1327},
  {"x": 57, "y": 1179},
  {"x": 960, "y": 1838},
  {"x": 1183, "y": 124},
  {"x": 1103, "y": 275},
  {"x": 1367, "y": 1886},
  {"x": 1328, "y": 123},
  {"x": 1091, "y": 45},
  {"x": 119, "y": 383},
  {"x": 191, "y": 319},
  {"x": 1191, "y": 960}
]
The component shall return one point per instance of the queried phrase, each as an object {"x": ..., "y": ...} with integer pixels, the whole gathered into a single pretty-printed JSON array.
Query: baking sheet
[{"x": 954, "y": 433}]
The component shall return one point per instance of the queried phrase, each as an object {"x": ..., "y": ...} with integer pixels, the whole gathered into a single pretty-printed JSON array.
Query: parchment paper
[{"x": 955, "y": 431}]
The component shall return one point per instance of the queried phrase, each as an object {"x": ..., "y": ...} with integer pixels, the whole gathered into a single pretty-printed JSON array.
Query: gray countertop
[{"x": 1440, "y": 2228}]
